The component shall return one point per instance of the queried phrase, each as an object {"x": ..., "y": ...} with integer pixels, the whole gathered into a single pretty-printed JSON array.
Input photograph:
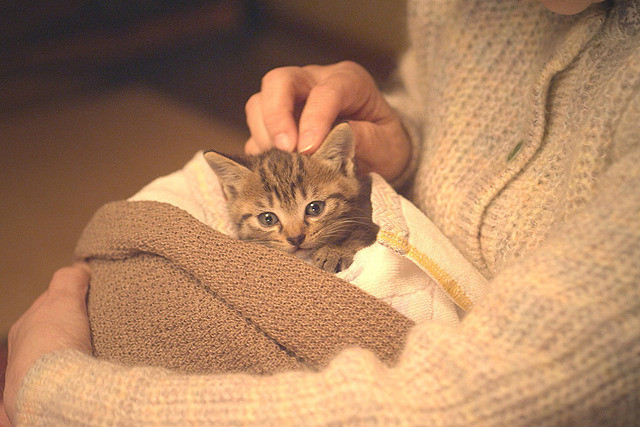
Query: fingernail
[
  {"x": 281, "y": 141},
  {"x": 305, "y": 149},
  {"x": 306, "y": 142}
]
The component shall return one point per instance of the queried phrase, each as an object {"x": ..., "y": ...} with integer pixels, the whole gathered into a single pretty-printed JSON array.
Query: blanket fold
[{"x": 168, "y": 290}]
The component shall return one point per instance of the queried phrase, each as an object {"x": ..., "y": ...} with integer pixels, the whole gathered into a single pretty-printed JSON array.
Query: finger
[
  {"x": 373, "y": 149},
  {"x": 251, "y": 148},
  {"x": 343, "y": 90},
  {"x": 4, "y": 418},
  {"x": 35, "y": 305},
  {"x": 83, "y": 266},
  {"x": 364, "y": 134},
  {"x": 73, "y": 281},
  {"x": 65, "y": 300},
  {"x": 281, "y": 90},
  {"x": 320, "y": 112},
  {"x": 67, "y": 291},
  {"x": 255, "y": 122},
  {"x": 70, "y": 282}
]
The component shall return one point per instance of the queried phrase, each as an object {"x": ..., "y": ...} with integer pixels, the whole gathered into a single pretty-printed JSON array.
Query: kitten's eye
[
  {"x": 268, "y": 219},
  {"x": 314, "y": 208}
]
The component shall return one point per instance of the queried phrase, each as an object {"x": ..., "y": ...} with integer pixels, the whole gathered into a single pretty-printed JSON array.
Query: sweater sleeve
[
  {"x": 403, "y": 98},
  {"x": 555, "y": 340}
]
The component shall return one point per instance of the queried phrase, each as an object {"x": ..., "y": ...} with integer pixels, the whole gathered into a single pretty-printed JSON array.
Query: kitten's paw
[{"x": 331, "y": 259}]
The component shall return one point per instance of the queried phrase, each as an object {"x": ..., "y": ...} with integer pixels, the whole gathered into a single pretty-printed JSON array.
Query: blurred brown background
[{"x": 97, "y": 98}]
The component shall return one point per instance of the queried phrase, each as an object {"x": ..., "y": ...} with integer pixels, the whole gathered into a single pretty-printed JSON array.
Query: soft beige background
[
  {"x": 67, "y": 159},
  {"x": 372, "y": 23}
]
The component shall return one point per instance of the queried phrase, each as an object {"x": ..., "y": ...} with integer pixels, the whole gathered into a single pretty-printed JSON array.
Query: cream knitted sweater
[{"x": 527, "y": 144}]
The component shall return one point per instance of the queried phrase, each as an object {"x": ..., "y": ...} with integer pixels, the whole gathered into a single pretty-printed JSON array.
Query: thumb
[{"x": 381, "y": 147}]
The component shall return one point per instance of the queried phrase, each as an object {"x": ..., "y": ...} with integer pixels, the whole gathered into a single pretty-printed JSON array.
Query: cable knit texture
[{"x": 526, "y": 128}]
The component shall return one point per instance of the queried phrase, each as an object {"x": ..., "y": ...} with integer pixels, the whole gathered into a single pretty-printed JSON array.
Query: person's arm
[
  {"x": 404, "y": 98},
  {"x": 556, "y": 339}
]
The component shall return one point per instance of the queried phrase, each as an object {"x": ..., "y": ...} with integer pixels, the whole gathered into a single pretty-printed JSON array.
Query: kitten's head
[{"x": 291, "y": 201}]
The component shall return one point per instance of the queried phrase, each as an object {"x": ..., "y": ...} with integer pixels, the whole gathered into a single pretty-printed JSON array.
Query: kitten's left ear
[
  {"x": 230, "y": 172},
  {"x": 338, "y": 149}
]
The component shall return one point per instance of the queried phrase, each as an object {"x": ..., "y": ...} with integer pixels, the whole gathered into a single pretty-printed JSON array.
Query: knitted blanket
[
  {"x": 167, "y": 290},
  {"x": 172, "y": 287}
]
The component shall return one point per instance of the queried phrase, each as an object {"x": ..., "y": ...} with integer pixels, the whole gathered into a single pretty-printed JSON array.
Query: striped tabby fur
[{"x": 314, "y": 207}]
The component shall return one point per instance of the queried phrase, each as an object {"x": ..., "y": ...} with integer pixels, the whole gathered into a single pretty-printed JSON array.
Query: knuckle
[
  {"x": 272, "y": 75},
  {"x": 356, "y": 74},
  {"x": 250, "y": 147},
  {"x": 278, "y": 74},
  {"x": 64, "y": 273},
  {"x": 252, "y": 103},
  {"x": 329, "y": 89},
  {"x": 13, "y": 331},
  {"x": 275, "y": 122},
  {"x": 262, "y": 146},
  {"x": 348, "y": 64},
  {"x": 253, "y": 99},
  {"x": 352, "y": 67},
  {"x": 65, "y": 276}
]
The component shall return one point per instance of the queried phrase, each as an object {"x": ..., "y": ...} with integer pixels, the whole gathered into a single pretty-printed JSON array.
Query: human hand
[
  {"x": 320, "y": 96},
  {"x": 57, "y": 320}
]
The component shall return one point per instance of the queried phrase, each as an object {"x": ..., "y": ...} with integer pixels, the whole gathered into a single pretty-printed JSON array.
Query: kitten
[{"x": 314, "y": 207}]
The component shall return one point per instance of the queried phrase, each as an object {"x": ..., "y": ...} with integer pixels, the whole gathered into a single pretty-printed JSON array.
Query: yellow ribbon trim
[{"x": 448, "y": 283}]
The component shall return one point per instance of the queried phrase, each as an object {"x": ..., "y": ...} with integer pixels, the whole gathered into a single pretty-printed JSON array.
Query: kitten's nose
[{"x": 296, "y": 241}]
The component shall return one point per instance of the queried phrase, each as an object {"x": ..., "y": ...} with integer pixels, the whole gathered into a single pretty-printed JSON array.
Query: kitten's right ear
[
  {"x": 229, "y": 172},
  {"x": 338, "y": 149}
]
